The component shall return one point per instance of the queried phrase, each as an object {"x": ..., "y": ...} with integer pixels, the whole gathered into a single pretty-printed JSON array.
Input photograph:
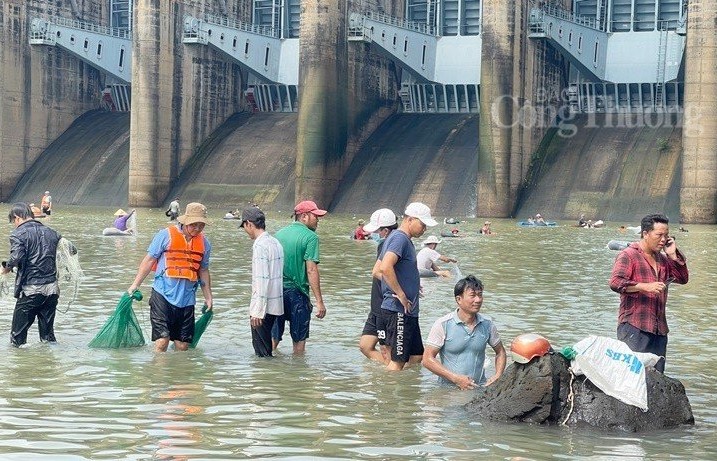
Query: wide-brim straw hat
[{"x": 120, "y": 212}]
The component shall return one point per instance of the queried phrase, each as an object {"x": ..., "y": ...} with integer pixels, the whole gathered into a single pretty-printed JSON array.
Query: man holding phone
[{"x": 641, "y": 274}]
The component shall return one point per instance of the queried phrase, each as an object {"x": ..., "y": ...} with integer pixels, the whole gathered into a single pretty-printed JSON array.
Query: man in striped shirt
[{"x": 267, "y": 271}]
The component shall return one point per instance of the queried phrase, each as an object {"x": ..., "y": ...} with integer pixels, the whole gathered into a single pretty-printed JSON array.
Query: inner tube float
[
  {"x": 533, "y": 224},
  {"x": 113, "y": 231},
  {"x": 617, "y": 245},
  {"x": 450, "y": 221}
]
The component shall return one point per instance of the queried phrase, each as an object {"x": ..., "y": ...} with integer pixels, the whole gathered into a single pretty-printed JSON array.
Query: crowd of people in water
[{"x": 285, "y": 277}]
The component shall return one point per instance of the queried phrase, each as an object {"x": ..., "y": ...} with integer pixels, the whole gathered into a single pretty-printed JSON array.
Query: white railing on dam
[
  {"x": 90, "y": 27},
  {"x": 240, "y": 25}
]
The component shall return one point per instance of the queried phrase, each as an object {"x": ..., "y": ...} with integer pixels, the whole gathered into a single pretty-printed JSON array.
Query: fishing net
[
  {"x": 69, "y": 272},
  {"x": 121, "y": 329},
  {"x": 201, "y": 325},
  {"x": 132, "y": 223},
  {"x": 7, "y": 287}
]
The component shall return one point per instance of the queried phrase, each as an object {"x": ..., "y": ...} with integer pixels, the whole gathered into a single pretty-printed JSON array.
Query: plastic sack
[
  {"x": 201, "y": 325},
  {"x": 121, "y": 329},
  {"x": 614, "y": 368}
]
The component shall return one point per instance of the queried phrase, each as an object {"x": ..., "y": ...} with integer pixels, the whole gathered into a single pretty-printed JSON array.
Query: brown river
[{"x": 68, "y": 402}]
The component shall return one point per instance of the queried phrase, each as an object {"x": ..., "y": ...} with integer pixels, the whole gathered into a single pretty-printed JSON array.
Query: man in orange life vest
[{"x": 179, "y": 257}]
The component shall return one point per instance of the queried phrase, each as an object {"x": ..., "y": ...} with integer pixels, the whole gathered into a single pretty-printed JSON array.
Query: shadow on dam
[
  {"x": 427, "y": 158},
  {"x": 88, "y": 164},
  {"x": 610, "y": 169},
  {"x": 614, "y": 167}
]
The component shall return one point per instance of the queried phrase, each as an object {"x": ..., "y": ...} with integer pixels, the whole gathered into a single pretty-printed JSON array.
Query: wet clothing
[
  {"x": 173, "y": 211},
  {"x": 169, "y": 321},
  {"x": 426, "y": 258},
  {"x": 374, "y": 325},
  {"x": 406, "y": 270},
  {"x": 360, "y": 234},
  {"x": 644, "y": 310},
  {"x": 461, "y": 349},
  {"x": 121, "y": 221},
  {"x": 267, "y": 269},
  {"x": 33, "y": 252},
  {"x": 297, "y": 311},
  {"x": 300, "y": 244},
  {"x": 46, "y": 204},
  {"x": 26, "y": 309},
  {"x": 261, "y": 337},
  {"x": 180, "y": 292},
  {"x": 640, "y": 341},
  {"x": 403, "y": 335}
]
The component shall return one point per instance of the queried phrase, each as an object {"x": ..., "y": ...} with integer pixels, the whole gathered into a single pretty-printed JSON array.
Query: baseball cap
[
  {"x": 382, "y": 217},
  {"x": 307, "y": 206},
  {"x": 252, "y": 214},
  {"x": 420, "y": 211}
]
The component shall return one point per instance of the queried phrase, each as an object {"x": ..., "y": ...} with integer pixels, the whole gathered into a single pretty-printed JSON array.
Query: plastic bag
[
  {"x": 614, "y": 368},
  {"x": 201, "y": 325},
  {"x": 121, "y": 329}
]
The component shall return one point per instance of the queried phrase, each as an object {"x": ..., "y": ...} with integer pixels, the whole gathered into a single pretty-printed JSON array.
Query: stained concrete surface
[
  {"x": 428, "y": 158},
  {"x": 85, "y": 165},
  {"x": 615, "y": 167}
]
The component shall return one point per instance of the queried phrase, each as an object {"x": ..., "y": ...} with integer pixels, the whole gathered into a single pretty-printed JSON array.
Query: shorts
[
  {"x": 403, "y": 335},
  {"x": 375, "y": 326},
  {"x": 168, "y": 321},
  {"x": 642, "y": 341},
  {"x": 297, "y": 311}
]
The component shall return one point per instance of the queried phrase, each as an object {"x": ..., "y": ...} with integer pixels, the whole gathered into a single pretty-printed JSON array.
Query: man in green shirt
[{"x": 301, "y": 271}]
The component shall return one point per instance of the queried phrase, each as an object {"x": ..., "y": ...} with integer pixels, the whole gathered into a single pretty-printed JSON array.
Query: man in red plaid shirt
[{"x": 641, "y": 274}]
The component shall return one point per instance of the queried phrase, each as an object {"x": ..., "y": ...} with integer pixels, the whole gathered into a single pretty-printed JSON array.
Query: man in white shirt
[
  {"x": 428, "y": 256},
  {"x": 267, "y": 271}
]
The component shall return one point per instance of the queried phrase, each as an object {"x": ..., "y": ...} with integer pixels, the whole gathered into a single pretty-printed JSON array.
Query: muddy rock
[{"x": 540, "y": 391}]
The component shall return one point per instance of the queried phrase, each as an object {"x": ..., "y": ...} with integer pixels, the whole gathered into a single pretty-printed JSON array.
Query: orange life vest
[{"x": 182, "y": 258}]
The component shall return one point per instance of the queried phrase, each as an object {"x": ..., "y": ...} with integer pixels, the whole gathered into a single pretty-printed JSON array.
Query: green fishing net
[
  {"x": 121, "y": 329},
  {"x": 201, "y": 325}
]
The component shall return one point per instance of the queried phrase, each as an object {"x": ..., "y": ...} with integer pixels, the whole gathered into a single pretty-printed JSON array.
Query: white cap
[
  {"x": 380, "y": 218},
  {"x": 47, "y": 191},
  {"x": 431, "y": 239},
  {"x": 420, "y": 211}
]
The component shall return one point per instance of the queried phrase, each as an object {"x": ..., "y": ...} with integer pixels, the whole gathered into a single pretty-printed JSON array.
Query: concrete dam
[{"x": 357, "y": 105}]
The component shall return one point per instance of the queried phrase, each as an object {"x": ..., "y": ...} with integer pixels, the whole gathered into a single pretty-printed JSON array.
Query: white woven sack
[{"x": 614, "y": 368}]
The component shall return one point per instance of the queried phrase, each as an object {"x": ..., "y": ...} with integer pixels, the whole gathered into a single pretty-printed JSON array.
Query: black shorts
[
  {"x": 168, "y": 321},
  {"x": 403, "y": 335},
  {"x": 374, "y": 326}
]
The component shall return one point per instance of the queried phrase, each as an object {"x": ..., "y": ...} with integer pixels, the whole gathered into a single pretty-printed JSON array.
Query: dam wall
[
  {"x": 42, "y": 90},
  {"x": 699, "y": 160},
  {"x": 180, "y": 94},
  {"x": 88, "y": 164},
  {"x": 614, "y": 167}
]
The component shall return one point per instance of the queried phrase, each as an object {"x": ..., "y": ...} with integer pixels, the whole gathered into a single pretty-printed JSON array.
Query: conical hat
[{"x": 120, "y": 212}]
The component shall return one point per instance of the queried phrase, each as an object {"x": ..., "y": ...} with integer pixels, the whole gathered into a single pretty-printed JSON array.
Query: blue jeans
[{"x": 297, "y": 311}]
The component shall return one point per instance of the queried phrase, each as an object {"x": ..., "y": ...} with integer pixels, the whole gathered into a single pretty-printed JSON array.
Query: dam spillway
[{"x": 196, "y": 66}]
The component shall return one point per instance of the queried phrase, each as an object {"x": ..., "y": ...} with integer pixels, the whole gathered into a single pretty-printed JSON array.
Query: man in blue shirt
[
  {"x": 460, "y": 338},
  {"x": 175, "y": 284},
  {"x": 401, "y": 284}
]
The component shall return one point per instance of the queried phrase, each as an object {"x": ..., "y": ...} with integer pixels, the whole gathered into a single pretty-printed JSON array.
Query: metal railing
[
  {"x": 554, "y": 11},
  {"x": 268, "y": 31},
  {"x": 90, "y": 27},
  {"x": 421, "y": 27}
]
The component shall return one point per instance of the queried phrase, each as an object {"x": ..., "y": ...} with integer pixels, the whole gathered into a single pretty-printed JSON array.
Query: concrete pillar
[
  {"x": 322, "y": 123},
  {"x": 497, "y": 109},
  {"x": 150, "y": 127},
  {"x": 698, "y": 195}
]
